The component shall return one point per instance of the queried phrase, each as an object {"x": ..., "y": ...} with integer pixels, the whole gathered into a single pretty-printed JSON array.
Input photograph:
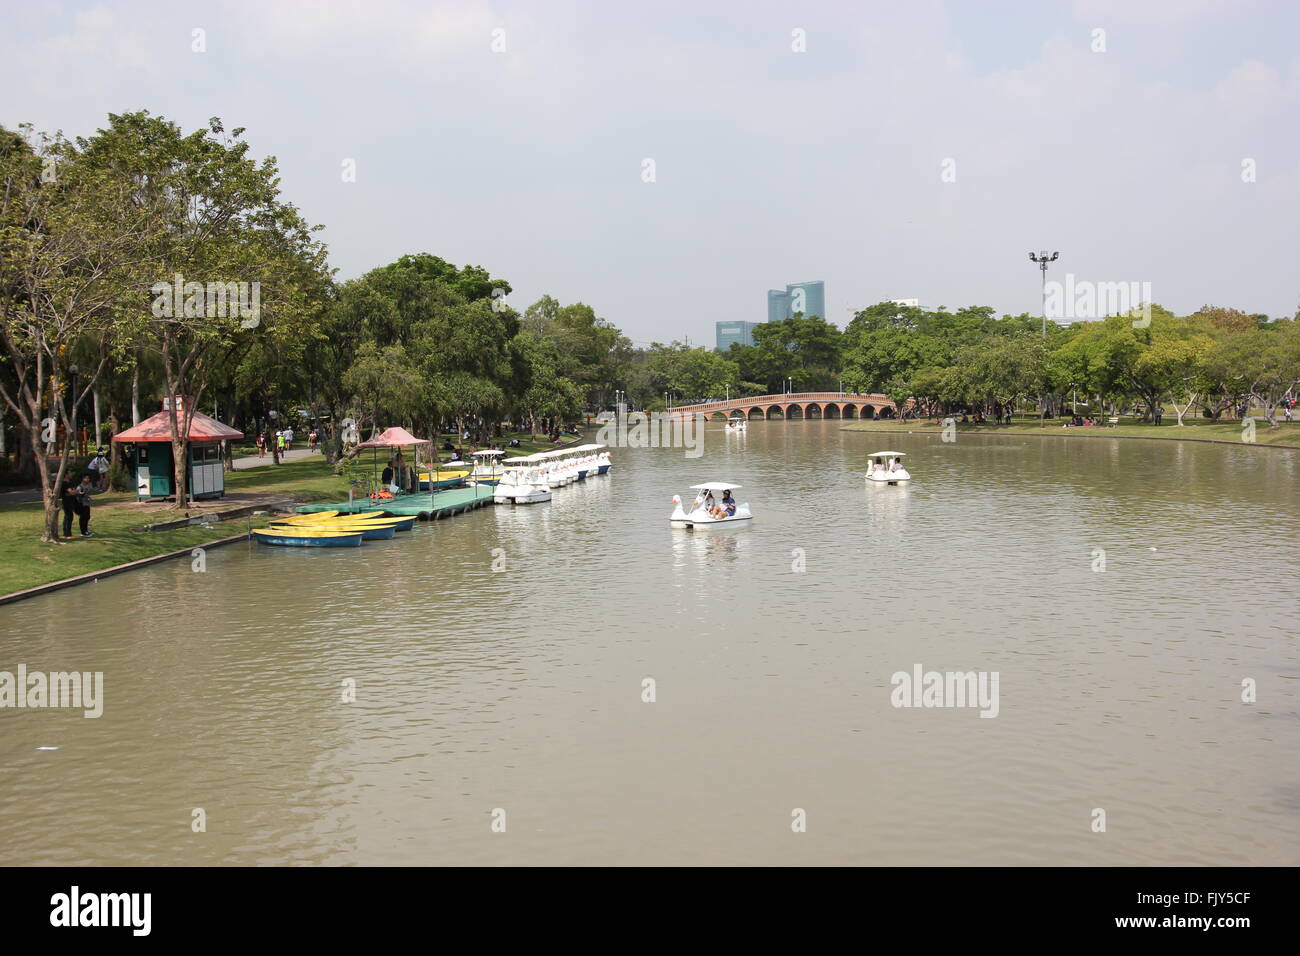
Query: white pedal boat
[
  {"x": 886, "y": 467},
  {"x": 697, "y": 516},
  {"x": 521, "y": 487},
  {"x": 737, "y": 425}
]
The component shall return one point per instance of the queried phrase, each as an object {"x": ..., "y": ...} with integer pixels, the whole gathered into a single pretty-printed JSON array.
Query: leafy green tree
[
  {"x": 224, "y": 223},
  {"x": 73, "y": 247}
]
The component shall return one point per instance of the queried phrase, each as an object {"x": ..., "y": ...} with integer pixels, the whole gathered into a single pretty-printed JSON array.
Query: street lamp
[{"x": 1043, "y": 259}]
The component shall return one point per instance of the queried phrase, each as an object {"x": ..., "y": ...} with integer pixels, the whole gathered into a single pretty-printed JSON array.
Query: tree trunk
[{"x": 135, "y": 396}]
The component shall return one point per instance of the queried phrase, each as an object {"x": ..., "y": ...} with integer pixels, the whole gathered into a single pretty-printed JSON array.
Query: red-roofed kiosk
[{"x": 149, "y": 454}]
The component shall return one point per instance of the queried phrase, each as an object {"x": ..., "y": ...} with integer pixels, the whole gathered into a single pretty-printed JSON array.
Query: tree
[
  {"x": 226, "y": 233},
  {"x": 72, "y": 248},
  {"x": 1264, "y": 362}
]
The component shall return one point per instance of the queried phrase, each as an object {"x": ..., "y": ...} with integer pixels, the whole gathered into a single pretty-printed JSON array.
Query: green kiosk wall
[{"x": 154, "y": 470}]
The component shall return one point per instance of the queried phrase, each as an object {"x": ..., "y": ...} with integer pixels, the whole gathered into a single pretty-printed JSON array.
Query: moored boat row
[
  {"x": 530, "y": 479},
  {"x": 332, "y": 530}
]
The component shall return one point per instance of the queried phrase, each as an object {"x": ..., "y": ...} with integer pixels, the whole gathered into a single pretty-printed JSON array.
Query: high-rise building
[
  {"x": 729, "y": 333},
  {"x": 808, "y": 298},
  {"x": 778, "y": 305}
]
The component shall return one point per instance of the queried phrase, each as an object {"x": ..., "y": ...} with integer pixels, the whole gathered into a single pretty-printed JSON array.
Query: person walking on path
[
  {"x": 99, "y": 468},
  {"x": 261, "y": 444},
  {"x": 280, "y": 442}
]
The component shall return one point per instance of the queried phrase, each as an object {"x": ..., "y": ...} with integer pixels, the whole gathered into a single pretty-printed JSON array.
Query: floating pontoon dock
[{"x": 445, "y": 503}]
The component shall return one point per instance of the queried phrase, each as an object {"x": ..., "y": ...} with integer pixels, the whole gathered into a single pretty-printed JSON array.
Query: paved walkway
[{"x": 252, "y": 461}]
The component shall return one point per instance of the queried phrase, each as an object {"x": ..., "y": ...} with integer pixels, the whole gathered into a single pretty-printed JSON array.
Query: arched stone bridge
[{"x": 795, "y": 405}]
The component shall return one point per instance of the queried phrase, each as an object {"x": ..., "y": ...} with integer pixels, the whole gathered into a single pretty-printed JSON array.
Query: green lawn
[
  {"x": 1202, "y": 429},
  {"x": 25, "y": 562},
  {"x": 305, "y": 479}
]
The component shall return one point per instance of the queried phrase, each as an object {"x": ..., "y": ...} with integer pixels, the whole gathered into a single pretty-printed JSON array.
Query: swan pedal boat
[
  {"x": 886, "y": 467},
  {"x": 698, "y": 516}
]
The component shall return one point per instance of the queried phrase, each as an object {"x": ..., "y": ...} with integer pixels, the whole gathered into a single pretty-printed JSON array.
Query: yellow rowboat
[
  {"x": 308, "y": 538},
  {"x": 328, "y": 516},
  {"x": 444, "y": 479},
  {"x": 369, "y": 531},
  {"x": 397, "y": 522}
]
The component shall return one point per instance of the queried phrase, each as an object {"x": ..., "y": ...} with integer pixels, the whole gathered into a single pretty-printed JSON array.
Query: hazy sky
[{"x": 771, "y": 166}]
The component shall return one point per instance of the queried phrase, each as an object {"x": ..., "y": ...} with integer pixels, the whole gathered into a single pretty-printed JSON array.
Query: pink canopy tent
[{"x": 396, "y": 437}]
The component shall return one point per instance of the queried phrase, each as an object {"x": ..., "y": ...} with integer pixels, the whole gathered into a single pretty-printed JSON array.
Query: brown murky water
[{"x": 522, "y": 689}]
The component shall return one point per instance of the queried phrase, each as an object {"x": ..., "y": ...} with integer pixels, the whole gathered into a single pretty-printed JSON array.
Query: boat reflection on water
[
  {"x": 887, "y": 506},
  {"x": 696, "y": 554}
]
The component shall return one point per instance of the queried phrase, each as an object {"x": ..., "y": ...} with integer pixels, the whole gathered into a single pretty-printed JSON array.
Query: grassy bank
[
  {"x": 117, "y": 519},
  {"x": 1288, "y": 435},
  {"x": 25, "y": 562}
]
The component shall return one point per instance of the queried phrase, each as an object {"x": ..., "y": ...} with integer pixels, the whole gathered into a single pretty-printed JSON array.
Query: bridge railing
[{"x": 787, "y": 398}]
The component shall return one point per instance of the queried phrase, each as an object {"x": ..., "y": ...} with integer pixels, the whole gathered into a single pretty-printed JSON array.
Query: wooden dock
[{"x": 445, "y": 503}]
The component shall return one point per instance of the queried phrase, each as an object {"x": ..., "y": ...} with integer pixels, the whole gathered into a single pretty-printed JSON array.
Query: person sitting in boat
[
  {"x": 894, "y": 465},
  {"x": 728, "y": 504},
  {"x": 710, "y": 505}
]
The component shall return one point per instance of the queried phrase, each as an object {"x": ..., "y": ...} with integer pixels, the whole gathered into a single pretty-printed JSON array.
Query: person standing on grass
[
  {"x": 85, "y": 491},
  {"x": 69, "y": 495}
]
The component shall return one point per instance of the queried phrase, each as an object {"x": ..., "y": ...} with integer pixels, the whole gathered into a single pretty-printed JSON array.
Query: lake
[{"x": 1122, "y": 591}]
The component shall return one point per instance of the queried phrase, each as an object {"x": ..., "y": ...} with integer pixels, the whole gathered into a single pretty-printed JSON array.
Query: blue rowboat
[{"x": 295, "y": 538}]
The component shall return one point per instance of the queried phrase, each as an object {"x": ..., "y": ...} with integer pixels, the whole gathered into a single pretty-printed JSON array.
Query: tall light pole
[{"x": 1043, "y": 259}]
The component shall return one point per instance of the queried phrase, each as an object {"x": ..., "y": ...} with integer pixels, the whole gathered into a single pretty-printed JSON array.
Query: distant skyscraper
[
  {"x": 778, "y": 305},
  {"x": 806, "y": 297},
  {"x": 729, "y": 333}
]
